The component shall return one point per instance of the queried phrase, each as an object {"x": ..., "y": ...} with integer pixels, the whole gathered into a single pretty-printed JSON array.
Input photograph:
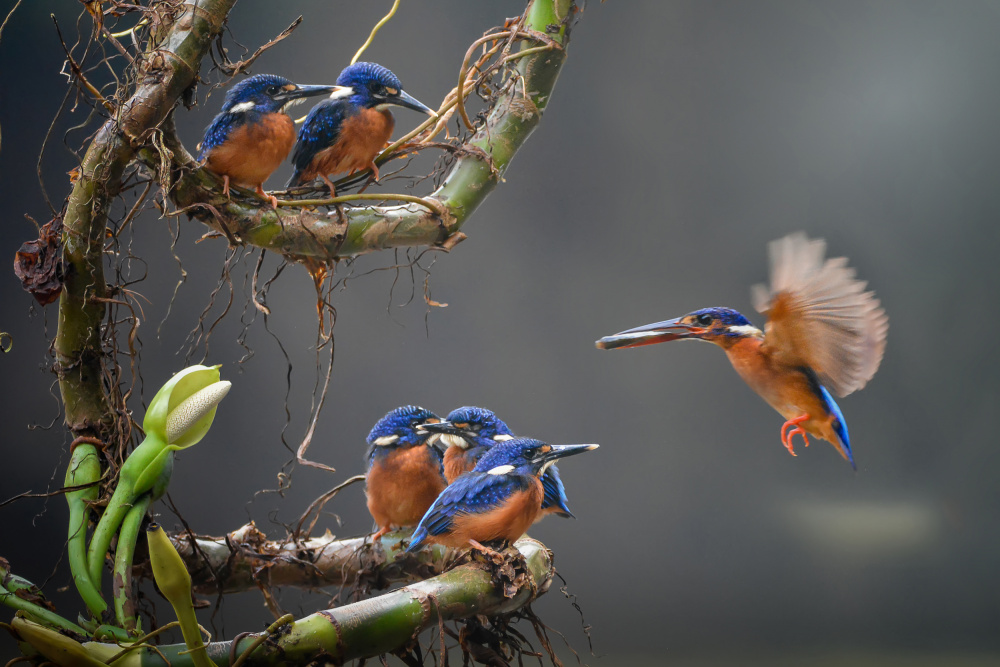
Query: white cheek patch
[
  {"x": 745, "y": 330},
  {"x": 452, "y": 440},
  {"x": 340, "y": 92},
  {"x": 385, "y": 440},
  {"x": 500, "y": 470},
  {"x": 503, "y": 437},
  {"x": 243, "y": 107}
]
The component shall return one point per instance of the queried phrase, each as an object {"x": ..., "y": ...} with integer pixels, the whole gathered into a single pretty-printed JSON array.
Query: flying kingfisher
[
  {"x": 470, "y": 432},
  {"x": 347, "y": 131},
  {"x": 252, "y": 135},
  {"x": 499, "y": 499},
  {"x": 404, "y": 468},
  {"x": 823, "y": 330}
]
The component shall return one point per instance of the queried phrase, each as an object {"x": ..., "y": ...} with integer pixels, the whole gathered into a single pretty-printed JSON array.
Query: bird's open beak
[
  {"x": 404, "y": 99},
  {"x": 562, "y": 451},
  {"x": 648, "y": 334},
  {"x": 302, "y": 91}
]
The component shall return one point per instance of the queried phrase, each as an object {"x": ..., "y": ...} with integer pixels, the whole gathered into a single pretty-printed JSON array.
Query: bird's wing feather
[
  {"x": 320, "y": 130},
  {"x": 218, "y": 131},
  {"x": 470, "y": 493},
  {"x": 820, "y": 316},
  {"x": 555, "y": 492}
]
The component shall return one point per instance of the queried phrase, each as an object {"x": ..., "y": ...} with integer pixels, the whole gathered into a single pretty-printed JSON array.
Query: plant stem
[{"x": 125, "y": 609}]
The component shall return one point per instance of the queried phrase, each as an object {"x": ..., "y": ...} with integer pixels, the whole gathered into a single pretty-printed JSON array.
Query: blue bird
[
  {"x": 404, "y": 469},
  {"x": 252, "y": 135},
  {"x": 347, "y": 131},
  {"x": 470, "y": 432},
  {"x": 498, "y": 500},
  {"x": 823, "y": 328}
]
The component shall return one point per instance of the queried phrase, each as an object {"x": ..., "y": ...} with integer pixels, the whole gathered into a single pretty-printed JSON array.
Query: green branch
[{"x": 379, "y": 625}]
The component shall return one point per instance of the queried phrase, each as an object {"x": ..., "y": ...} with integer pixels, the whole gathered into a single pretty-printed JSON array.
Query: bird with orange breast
[
  {"x": 404, "y": 468},
  {"x": 498, "y": 500},
  {"x": 347, "y": 131},
  {"x": 253, "y": 135},
  {"x": 824, "y": 333},
  {"x": 469, "y": 432}
]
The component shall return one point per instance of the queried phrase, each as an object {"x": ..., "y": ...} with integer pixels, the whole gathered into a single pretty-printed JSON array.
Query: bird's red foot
[
  {"x": 787, "y": 435},
  {"x": 378, "y": 535},
  {"x": 374, "y": 169},
  {"x": 329, "y": 184},
  {"x": 271, "y": 199},
  {"x": 225, "y": 186},
  {"x": 485, "y": 550}
]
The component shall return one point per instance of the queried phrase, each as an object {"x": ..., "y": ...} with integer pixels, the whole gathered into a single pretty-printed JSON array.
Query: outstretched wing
[{"x": 820, "y": 316}]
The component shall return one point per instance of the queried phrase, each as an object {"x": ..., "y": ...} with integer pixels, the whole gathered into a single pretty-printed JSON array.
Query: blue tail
[
  {"x": 417, "y": 541},
  {"x": 839, "y": 425}
]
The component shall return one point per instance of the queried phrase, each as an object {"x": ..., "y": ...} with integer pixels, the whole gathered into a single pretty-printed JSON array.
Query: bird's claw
[{"x": 787, "y": 435}]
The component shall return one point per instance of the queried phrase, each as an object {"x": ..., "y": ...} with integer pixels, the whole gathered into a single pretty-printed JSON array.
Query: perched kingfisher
[
  {"x": 252, "y": 135},
  {"x": 823, "y": 330},
  {"x": 498, "y": 500},
  {"x": 404, "y": 468},
  {"x": 347, "y": 131},
  {"x": 470, "y": 432}
]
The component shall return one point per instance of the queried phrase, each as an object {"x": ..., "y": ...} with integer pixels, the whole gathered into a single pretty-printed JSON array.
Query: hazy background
[{"x": 681, "y": 138}]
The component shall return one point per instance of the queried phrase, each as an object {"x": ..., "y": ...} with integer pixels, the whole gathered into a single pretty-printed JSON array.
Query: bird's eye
[
  {"x": 704, "y": 319},
  {"x": 531, "y": 452},
  {"x": 272, "y": 90}
]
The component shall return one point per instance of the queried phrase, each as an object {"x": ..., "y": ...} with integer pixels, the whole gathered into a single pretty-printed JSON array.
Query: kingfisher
[
  {"x": 347, "y": 131},
  {"x": 824, "y": 333},
  {"x": 252, "y": 135},
  {"x": 404, "y": 468},
  {"x": 469, "y": 432},
  {"x": 498, "y": 500}
]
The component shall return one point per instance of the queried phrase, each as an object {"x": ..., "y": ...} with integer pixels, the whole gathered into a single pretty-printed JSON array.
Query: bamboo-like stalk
[
  {"x": 245, "y": 559},
  {"x": 305, "y": 233},
  {"x": 379, "y": 625}
]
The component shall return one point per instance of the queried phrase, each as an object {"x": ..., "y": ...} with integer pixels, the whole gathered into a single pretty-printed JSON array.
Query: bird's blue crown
[
  {"x": 720, "y": 320},
  {"x": 402, "y": 423},
  {"x": 369, "y": 81},
  {"x": 488, "y": 424},
  {"x": 520, "y": 453},
  {"x": 259, "y": 89}
]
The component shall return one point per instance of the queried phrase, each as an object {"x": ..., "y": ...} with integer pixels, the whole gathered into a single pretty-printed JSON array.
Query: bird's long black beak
[
  {"x": 648, "y": 334},
  {"x": 562, "y": 451},
  {"x": 404, "y": 99},
  {"x": 300, "y": 92},
  {"x": 443, "y": 427}
]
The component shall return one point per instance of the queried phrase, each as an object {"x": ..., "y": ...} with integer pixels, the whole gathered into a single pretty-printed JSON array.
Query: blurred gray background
[{"x": 681, "y": 138}]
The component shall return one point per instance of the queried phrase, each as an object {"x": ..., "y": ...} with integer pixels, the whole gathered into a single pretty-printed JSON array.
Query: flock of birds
[{"x": 824, "y": 332}]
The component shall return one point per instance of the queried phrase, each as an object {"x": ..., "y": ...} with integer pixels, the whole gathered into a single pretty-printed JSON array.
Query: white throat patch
[
  {"x": 452, "y": 440},
  {"x": 500, "y": 470},
  {"x": 745, "y": 330},
  {"x": 385, "y": 440}
]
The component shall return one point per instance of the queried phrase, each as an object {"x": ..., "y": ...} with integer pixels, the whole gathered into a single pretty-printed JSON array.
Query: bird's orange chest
[
  {"x": 253, "y": 151},
  {"x": 456, "y": 461},
  {"x": 402, "y": 485},
  {"x": 508, "y": 521},
  {"x": 361, "y": 138}
]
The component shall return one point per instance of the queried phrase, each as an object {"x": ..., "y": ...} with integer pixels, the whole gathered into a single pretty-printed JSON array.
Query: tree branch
[{"x": 383, "y": 624}]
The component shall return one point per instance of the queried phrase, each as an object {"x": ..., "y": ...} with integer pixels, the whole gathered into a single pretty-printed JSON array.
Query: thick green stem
[
  {"x": 84, "y": 469},
  {"x": 300, "y": 233},
  {"x": 125, "y": 611},
  {"x": 11, "y": 584},
  {"x": 379, "y": 625}
]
